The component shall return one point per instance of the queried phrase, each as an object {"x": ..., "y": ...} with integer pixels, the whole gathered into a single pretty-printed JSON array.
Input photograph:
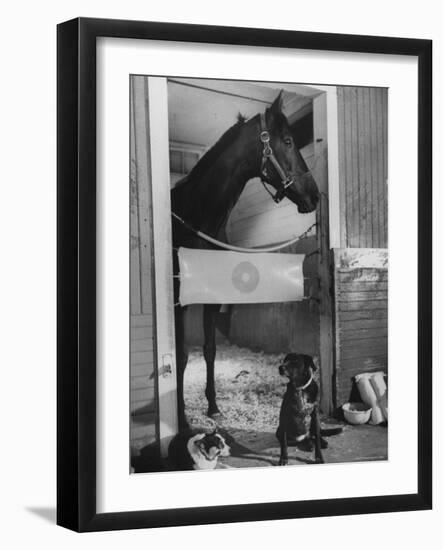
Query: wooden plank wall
[
  {"x": 143, "y": 399},
  {"x": 361, "y": 315},
  {"x": 362, "y": 132}
]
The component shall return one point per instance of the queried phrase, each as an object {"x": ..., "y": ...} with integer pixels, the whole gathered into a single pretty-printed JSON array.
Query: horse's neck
[
  {"x": 221, "y": 189},
  {"x": 205, "y": 202}
]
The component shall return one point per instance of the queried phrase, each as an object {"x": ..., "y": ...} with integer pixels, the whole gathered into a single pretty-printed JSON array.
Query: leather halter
[{"x": 268, "y": 156}]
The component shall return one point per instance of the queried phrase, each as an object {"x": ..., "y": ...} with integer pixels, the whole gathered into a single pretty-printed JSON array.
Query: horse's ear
[
  {"x": 275, "y": 109},
  {"x": 277, "y": 106}
]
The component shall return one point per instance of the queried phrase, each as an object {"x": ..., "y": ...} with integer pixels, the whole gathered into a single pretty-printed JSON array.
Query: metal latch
[{"x": 166, "y": 368}]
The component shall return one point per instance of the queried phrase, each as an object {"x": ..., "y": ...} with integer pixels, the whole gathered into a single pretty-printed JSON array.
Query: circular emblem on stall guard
[{"x": 245, "y": 277}]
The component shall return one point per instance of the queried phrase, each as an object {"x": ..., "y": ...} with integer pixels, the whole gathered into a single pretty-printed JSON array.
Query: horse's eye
[{"x": 288, "y": 142}]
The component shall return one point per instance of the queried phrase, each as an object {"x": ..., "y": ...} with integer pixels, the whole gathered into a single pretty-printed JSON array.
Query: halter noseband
[{"x": 268, "y": 156}]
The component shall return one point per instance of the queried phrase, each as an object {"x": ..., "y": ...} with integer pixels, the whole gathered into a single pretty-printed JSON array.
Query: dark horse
[{"x": 261, "y": 147}]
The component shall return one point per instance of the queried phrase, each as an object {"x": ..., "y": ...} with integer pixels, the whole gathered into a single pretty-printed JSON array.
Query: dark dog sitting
[
  {"x": 197, "y": 451},
  {"x": 299, "y": 418}
]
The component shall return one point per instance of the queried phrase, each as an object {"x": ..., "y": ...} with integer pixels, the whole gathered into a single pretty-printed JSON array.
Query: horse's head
[{"x": 282, "y": 165}]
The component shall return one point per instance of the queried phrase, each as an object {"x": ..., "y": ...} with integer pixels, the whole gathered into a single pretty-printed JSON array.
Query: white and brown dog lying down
[{"x": 197, "y": 451}]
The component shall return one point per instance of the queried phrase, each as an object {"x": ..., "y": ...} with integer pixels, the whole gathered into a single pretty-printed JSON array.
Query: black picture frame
[{"x": 76, "y": 248}]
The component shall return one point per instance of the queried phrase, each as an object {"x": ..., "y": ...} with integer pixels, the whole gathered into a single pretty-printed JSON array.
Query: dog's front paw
[
  {"x": 319, "y": 460},
  {"x": 283, "y": 462}
]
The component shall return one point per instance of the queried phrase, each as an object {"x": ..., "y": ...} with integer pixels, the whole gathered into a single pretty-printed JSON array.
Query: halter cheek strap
[{"x": 268, "y": 156}]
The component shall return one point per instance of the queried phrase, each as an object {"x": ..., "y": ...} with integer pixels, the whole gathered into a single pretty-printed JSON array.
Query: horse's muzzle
[{"x": 307, "y": 206}]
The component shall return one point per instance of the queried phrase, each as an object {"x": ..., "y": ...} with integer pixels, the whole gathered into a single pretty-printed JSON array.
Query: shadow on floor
[
  {"x": 354, "y": 444},
  {"x": 149, "y": 460},
  {"x": 46, "y": 513},
  {"x": 251, "y": 449}
]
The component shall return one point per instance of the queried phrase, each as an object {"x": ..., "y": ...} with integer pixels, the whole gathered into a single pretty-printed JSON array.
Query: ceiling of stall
[{"x": 201, "y": 110}]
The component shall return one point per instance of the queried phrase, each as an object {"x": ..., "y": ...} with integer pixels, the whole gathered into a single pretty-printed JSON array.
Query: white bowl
[{"x": 357, "y": 413}]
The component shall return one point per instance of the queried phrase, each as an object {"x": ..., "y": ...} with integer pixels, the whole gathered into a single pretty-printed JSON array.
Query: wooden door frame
[
  {"x": 326, "y": 173},
  {"x": 167, "y": 417}
]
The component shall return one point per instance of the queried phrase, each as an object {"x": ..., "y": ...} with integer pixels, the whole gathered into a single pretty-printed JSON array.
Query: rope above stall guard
[{"x": 234, "y": 248}]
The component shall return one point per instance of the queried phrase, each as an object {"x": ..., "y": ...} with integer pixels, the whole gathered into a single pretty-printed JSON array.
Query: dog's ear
[
  {"x": 314, "y": 362},
  {"x": 290, "y": 357},
  {"x": 200, "y": 444},
  {"x": 214, "y": 429}
]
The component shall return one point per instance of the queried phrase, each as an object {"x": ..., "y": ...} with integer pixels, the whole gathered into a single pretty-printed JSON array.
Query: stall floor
[{"x": 249, "y": 395}]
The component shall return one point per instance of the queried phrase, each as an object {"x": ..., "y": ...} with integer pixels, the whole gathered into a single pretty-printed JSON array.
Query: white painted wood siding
[{"x": 143, "y": 401}]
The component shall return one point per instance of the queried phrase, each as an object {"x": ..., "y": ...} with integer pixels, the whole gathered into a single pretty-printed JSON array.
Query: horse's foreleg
[
  {"x": 210, "y": 313},
  {"x": 181, "y": 361}
]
